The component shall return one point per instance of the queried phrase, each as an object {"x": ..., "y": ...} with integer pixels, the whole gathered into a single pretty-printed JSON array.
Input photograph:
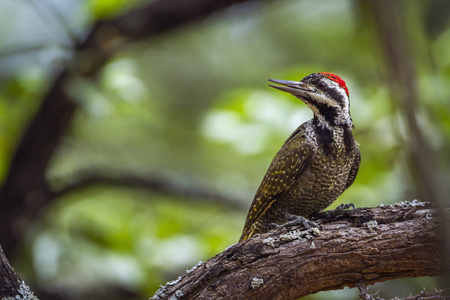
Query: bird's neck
[
  {"x": 336, "y": 124},
  {"x": 333, "y": 120},
  {"x": 333, "y": 135}
]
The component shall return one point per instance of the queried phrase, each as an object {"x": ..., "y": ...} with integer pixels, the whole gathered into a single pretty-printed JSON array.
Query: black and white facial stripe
[
  {"x": 329, "y": 102},
  {"x": 327, "y": 98}
]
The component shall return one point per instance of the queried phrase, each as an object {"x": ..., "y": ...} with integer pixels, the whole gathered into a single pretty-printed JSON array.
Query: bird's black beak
[{"x": 296, "y": 88}]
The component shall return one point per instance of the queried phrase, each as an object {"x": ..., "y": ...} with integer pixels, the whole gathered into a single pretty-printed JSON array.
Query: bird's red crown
[{"x": 336, "y": 79}]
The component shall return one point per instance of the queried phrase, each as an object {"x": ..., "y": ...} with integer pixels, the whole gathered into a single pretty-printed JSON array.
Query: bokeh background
[{"x": 171, "y": 138}]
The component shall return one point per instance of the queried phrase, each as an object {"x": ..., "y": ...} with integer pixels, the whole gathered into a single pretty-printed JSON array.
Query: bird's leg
[{"x": 338, "y": 210}]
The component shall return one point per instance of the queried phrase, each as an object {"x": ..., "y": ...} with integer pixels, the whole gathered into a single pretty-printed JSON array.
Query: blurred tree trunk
[
  {"x": 398, "y": 48},
  {"x": 25, "y": 190}
]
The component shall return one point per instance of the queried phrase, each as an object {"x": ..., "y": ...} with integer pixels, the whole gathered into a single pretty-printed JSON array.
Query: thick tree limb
[{"x": 368, "y": 245}]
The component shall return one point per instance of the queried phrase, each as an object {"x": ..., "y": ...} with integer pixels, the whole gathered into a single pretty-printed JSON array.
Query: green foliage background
[{"x": 193, "y": 106}]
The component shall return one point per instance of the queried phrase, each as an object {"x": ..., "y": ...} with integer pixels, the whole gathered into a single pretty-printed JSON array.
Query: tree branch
[
  {"x": 153, "y": 184},
  {"x": 443, "y": 294},
  {"x": 368, "y": 245},
  {"x": 11, "y": 286}
]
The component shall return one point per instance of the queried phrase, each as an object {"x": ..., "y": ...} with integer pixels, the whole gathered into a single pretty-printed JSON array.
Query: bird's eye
[{"x": 321, "y": 85}]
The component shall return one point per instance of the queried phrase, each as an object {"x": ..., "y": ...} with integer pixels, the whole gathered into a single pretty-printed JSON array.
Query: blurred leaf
[{"x": 109, "y": 8}]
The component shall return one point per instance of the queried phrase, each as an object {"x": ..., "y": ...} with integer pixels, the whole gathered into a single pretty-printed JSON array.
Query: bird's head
[{"x": 325, "y": 93}]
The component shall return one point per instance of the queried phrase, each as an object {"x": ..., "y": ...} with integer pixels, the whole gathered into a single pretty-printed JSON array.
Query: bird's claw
[
  {"x": 272, "y": 226},
  {"x": 299, "y": 220},
  {"x": 294, "y": 220},
  {"x": 338, "y": 210},
  {"x": 345, "y": 206}
]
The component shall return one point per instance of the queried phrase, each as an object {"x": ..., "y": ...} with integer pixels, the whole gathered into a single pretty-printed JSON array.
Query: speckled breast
[{"x": 319, "y": 185}]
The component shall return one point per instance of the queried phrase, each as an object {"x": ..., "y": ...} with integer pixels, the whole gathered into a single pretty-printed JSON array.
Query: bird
[{"x": 317, "y": 162}]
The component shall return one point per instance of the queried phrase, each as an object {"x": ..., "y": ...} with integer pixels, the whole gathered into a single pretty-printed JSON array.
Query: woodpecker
[{"x": 315, "y": 164}]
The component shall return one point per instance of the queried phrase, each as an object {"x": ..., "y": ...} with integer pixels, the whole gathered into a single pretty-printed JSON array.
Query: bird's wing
[
  {"x": 284, "y": 170},
  {"x": 353, "y": 170}
]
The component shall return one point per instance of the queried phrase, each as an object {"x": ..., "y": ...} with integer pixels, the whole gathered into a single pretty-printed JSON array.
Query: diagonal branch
[
  {"x": 11, "y": 286},
  {"x": 368, "y": 245}
]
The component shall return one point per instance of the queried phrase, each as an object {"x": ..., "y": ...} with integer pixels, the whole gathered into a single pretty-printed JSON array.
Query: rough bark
[
  {"x": 11, "y": 287},
  {"x": 8, "y": 278},
  {"x": 365, "y": 246}
]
